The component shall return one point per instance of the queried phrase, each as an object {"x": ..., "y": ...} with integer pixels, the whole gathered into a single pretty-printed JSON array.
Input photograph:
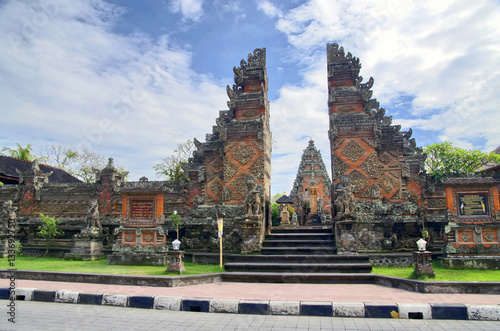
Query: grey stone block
[
  {"x": 44, "y": 295},
  {"x": 224, "y": 306},
  {"x": 381, "y": 310},
  {"x": 141, "y": 301},
  {"x": 483, "y": 312},
  {"x": 90, "y": 298},
  {"x": 348, "y": 309},
  {"x": 25, "y": 294},
  {"x": 284, "y": 307},
  {"x": 449, "y": 311},
  {"x": 196, "y": 304},
  {"x": 316, "y": 308},
  {"x": 255, "y": 307},
  {"x": 67, "y": 296},
  {"x": 167, "y": 303},
  {"x": 120, "y": 300},
  {"x": 415, "y": 311}
]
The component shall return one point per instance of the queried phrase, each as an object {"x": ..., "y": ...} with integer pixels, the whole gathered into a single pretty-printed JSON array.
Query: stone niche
[
  {"x": 141, "y": 239},
  {"x": 473, "y": 230}
]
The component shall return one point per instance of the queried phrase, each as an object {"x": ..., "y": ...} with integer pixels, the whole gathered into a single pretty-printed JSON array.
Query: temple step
[
  {"x": 299, "y": 267},
  {"x": 311, "y": 278}
]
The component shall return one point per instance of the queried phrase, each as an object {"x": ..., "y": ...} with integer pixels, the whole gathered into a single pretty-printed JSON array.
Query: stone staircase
[{"x": 298, "y": 255}]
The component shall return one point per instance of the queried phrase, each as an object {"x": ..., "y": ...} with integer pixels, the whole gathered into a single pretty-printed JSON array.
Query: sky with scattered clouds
[{"x": 132, "y": 79}]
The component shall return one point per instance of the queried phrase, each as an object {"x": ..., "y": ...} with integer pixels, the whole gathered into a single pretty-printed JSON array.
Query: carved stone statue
[
  {"x": 92, "y": 217},
  {"x": 254, "y": 199},
  {"x": 7, "y": 217},
  {"x": 344, "y": 200}
]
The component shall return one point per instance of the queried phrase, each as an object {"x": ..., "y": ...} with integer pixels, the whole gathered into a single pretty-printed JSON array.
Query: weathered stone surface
[
  {"x": 224, "y": 306},
  {"x": 484, "y": 312},
  {"x": 348, "y": 309},
  {"x": 412, "y": 310},
  {"x": 115, "y": 300},
  {"x": 284, "y": 307},
  {"x": 25, "y": 294},
  {"x": 67, "y": 296},
  {"x": 167, "y": 303}
]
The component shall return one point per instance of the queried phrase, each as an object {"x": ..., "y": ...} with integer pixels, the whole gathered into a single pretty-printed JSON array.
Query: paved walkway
[
  {"x": 42, "y": 316},
  {"x": 260, "y": 291}
]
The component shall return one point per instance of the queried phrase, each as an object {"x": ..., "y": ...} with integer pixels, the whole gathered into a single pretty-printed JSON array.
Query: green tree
[
  {"x": 276, "y": 197},
  {"x": 48, "y": 230},
  {"x": 170, "y": 167},
  {"x": 275, "y": 215},
  {"x": 444, "y": 159},
  {"x": 20, "y": 152},
  {"x": 175, "y": 220}
]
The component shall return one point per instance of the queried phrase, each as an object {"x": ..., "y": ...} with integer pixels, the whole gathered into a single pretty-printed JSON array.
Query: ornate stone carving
[
  {"x": 92, "y": 217},
  {"x": 353, "y": 151},
  {"x": 436, "y": 203},
  {"x": 243, "y": 154},
  {"x": 257, "y": 169},
  {"x": 359, "y": 181},
  {"x": 388, "y": 183},
  {"x": 254, "y": 199},
  {"x": 373, "y": 192},
  {"x": 229, "y": 170},
  {"x": 8, "y": 219},
  {"x": 466, "y": 237},
  {"x": 489, "y": 236},
  {"x": 344, "y": 201},
  {"x": 346, "y": 108},
  {"x": 371, "y": 166}
]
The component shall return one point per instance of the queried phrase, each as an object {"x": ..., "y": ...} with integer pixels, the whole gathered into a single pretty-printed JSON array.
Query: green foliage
[
  {"x": 176, "y": 221},
  {"x": 442, "y": 274},
  {"x": 275, "y": 215},
  {"x": 290, "y": 209},
  {"x": 101, "y": 267},
  {"x": 276, "y": 197},
  {"x": 444, "y": 159},
  {"x": 1, "y": 183},
  {"x": 20, "y": 152},
  {"x": 48, "y": 230},
  {"x": 170, "y": 167}
]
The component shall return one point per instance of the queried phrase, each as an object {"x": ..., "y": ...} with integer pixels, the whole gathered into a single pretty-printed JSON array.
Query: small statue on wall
[
  {"x": 92, "y": 224},
  {"x": 254, "y": 199},
  {"x": 7, "y": 217},
  {"x": 344, "y": 200}
]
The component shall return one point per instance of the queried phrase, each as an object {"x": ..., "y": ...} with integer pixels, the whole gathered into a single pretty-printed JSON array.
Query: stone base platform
[
  {"x": 138, "y": 259},
  {"x": 471, "y": 262}
]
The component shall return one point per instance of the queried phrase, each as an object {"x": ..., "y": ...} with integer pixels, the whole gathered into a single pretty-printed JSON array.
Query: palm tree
[{"x": 23, "y": 153}]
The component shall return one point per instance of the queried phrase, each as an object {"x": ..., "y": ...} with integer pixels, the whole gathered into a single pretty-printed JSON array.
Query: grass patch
[
  {"x": 101, "y": 267},
  {"x": 462, "y": 275}
]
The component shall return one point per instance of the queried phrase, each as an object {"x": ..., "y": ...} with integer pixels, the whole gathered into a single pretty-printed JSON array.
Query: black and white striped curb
[{"x": 304, "y": 308}]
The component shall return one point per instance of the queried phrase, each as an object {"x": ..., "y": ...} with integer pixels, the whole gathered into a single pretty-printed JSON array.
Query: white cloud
[
  {"x": 444, "y": 55},
  {"x": 269, "y": 9},
  {"x": 75, "y": 82},
  {"x": 191, "y": 10}
]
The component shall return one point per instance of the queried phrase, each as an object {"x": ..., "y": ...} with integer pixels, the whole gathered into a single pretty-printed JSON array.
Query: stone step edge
[
  {"x": 263, "y": 307},
  {"x": 297, "y": 264}
]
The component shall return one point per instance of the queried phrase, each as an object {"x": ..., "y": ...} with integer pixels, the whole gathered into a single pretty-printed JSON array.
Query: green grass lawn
[
  {"x": 101, "y": 267},
  {"x": 443, "y": 274}
]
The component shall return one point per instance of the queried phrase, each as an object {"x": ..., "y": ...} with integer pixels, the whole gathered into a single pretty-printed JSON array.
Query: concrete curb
[{"x": 263, "y": 307}]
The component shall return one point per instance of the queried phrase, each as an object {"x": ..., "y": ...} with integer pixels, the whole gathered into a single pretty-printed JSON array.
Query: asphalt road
[{"x": 31, "y": 315}]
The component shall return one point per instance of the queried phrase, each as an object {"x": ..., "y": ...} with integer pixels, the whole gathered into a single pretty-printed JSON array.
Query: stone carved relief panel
[
  {"x": 353, "y": 151},
  {"x": 359, "y": 181},
  {"x": 339, "y": 166},
  {"x": 371, "y": 166},
  {"x": 243, "y": 154}
]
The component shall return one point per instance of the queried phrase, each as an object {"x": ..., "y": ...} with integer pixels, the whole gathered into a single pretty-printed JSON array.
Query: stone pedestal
[
  {"x": 4, "y": 246},
  {"x": 285, "y": 217},
  {"x": 176, "y": 262},
  {"x": 423, "y": 264},
  {"x": 87, "y": 247},
  {"x": 346, "y": 238},
  {"x": 252, "y": 234}
]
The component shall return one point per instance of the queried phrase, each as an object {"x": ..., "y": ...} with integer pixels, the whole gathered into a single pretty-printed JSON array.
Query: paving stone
[
  {"x": 167, "y": 303},
  {"x": 141, "y": 301},
  {"x": 25, "y": 294},
  {"x": 44, "y": 295},
  {"x": 284, "y": 307},
  {"x": 381, "y": 310},
  {"x": 196, "y": 304},
  {"x": 348, "y": 309},
  {"x": 483, "y": 312},
  {"x": 224, "y": 306},
  {"x": 449, "y": 311},
  {"x": 253, "y": 307},
  {"x": 115, "y": 300},
  {"x": 415, "y": 311},
  {"x": 67, "y": 296},
  {"x": 313, "y": 308}
]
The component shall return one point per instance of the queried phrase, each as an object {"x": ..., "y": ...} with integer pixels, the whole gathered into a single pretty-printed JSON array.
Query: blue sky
[{"x": 132, "y": 79}]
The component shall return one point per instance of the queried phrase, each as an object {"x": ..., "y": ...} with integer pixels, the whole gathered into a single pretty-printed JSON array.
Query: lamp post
[{"x": 423, "y": 260}]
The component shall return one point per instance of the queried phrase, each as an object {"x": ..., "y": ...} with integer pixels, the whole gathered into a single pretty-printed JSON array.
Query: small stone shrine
[{"x": 283, "y": 202}]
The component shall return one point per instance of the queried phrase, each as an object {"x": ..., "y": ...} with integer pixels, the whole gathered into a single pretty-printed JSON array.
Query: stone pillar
[
  {"x": 176, "y": 262},
  {"x": 423, "y": 264}
]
